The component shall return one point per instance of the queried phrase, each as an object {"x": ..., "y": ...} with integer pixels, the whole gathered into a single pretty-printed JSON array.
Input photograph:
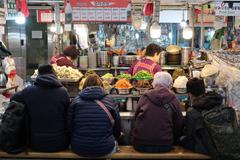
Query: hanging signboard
[
  {"x": 11, "y": 10},
  {"x": 47, "y": 16},
  {"x": 223, "y": 9},
  {"x": 101, "y": 10}
]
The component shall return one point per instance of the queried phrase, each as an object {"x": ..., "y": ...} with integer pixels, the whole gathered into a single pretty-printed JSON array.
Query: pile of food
[
  {"x": 108, "y": 75},
  {"x": 124, "y": 76},
  {"x": 143, "y": 84},
  {"x": 107, "y": 85},
  {"x": 64, "y": 72},
  {"x": 143, "y": 75},
  {"x": 123, "y": 84}
]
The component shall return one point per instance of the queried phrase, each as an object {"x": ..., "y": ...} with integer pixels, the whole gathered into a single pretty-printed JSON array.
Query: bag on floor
[
  {"x": 222, "y": 126},
  {"x": 14, "y": 129}
]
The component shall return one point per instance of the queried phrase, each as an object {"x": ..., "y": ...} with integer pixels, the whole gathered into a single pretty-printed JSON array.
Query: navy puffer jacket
[
  {"x": 92, "y": 133},
  {"x": 47, "y": 102}
]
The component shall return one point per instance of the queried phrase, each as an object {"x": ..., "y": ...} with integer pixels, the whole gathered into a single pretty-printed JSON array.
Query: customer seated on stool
[
  {"x": 196, "y": 136},
  {"x": 47, "y": 102},
  {"x": 92, "y": 133},
  {"x": 158, "y": 117}
]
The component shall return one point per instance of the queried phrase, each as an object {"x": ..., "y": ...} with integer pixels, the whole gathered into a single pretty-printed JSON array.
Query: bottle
[
  {"x": 68, "y": 13},
  {"x": 222, "y": 93},
  {"x": 68, "y": 17},
  {"x": 129, "y": 104}
]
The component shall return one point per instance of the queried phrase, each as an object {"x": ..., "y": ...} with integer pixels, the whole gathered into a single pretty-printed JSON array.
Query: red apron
[{"x": 147, "y": 67}]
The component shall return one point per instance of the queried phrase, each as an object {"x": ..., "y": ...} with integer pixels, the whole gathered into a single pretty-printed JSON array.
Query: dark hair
[
  {"x": 92, "y": 80},
  {"x": 71, "y": 51},
  {"x": 45, "y": 69},
  {"x": 152, "y": 49},
  {"x": 196, "y": 87}
]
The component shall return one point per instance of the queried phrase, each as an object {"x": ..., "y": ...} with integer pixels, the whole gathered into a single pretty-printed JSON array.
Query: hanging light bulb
[
  {"x": 20, "y": 18},
  {"x": 183, "y": 23},
  {"x": 144, "y": 25},
  {"x": 187, "y": 32},
  {"x": 155, "y": 30}
]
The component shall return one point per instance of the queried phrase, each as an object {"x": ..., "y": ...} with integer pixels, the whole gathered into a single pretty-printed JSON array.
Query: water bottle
[
  {"x": 68, "y": 17},
  {"x": 68, "y": 13},
  {"x": 222, "y": 93}
]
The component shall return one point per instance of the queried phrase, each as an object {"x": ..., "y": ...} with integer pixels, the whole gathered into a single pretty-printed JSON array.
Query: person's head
[
  {"x": 163, "y": 79},
  {"x": 46, "y": 69},
  {"x": 71, "y": 51},
  {"x": 93, "y": 80},
  {"x": 153, "y": 50},
  {"x": 195, "y": 88}
]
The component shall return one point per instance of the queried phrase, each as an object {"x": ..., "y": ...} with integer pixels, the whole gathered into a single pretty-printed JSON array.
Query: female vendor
[
  {"x": 67, "y": 58},
  {"x": 149, "y": 62}
]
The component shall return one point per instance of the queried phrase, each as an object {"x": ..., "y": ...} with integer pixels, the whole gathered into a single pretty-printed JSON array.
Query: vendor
[
  {"x": 67, "y": 57},
  {"x": 149, "y": 62}
]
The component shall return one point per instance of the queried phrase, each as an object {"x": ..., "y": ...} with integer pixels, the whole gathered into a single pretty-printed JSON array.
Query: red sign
[
  {"x": 47, "y": 16},
  {"x": 101, "y": 10}
]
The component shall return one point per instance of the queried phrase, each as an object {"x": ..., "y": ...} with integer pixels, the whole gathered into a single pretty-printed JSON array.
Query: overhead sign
[
  {"x": 101, "y": 10},
  {"x": 223, "y": 9},
  {"x": 11, "y": 10},
  {"x": 47, "y": 16}
]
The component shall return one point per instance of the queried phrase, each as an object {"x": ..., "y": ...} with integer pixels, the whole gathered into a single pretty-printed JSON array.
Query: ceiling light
[
  {"x": 155, "y": 30},
  {"x": 20, "y": 18}
]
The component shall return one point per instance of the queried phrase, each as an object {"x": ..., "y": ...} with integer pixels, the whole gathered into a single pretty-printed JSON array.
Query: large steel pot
[
  {"x": 173, "y": 56},
  {"x": 173, "y": 49},
  {"x": 128, "y": 60},
  {"x": 185, "y": 52}
]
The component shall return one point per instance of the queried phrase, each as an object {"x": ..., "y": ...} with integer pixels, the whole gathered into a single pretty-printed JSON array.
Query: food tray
[
  {"x": 181, "y": 90},
  {"x": 142, "y": 90},
  {"x": 123, "y": 91}
]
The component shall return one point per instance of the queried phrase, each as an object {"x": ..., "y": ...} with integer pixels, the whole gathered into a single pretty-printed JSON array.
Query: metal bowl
[
  {"x": 142, "y": 90},
  {"x": 181, "y": 90}
]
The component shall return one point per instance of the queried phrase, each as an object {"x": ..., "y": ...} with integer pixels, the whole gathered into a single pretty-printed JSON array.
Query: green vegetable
[
  {"x": 124, "y": 76},
  {"x": 143, "y": 75},
  {"x": 108, "y": 75}
]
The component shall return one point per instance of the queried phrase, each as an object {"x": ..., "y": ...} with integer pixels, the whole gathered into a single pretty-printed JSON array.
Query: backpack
[
  {"x": 221, "y": 124},
  {"x": 14, "y": 129}
]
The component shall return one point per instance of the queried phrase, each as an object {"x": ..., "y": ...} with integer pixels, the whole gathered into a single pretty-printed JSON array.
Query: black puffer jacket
[
  {"x": 92, "y": 134},
  {"x": 47, "y": 102}
]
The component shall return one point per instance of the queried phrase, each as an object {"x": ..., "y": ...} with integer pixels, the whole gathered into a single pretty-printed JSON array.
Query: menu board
[
  {"x": 223, "y": 9},
  {"x": 101, "y": 10},
  {"x": 48, "y": 16},
  {"x": 11, "y": 9}
]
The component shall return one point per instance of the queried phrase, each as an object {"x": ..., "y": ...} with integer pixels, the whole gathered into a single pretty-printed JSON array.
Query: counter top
[
  {"x": 130, "y": 115},
  {"x": 164, "y": 67}
]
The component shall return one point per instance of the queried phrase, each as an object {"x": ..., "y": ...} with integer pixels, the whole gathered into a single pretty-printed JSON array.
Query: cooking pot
[
  {"x": 173, "y": 59},
  {"x": 173, "y": 49},
  {"x": 128, "y": 60},
  {"x": 185, "y": 52}
]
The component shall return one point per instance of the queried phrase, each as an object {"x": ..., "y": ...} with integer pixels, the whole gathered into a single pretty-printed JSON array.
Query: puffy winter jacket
[
  {"x": 47, "y": 102},
  {"x": 92, "y": 133},
  {"x": 158, "y": 118}
]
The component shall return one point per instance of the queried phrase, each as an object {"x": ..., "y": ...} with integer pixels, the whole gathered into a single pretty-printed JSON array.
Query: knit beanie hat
[{"x": 162, "y": 78}]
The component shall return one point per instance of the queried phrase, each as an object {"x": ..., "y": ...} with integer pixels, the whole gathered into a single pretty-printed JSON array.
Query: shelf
[
  {"x": 130, "y": 115},
  {"x": 173, "y": 67},
  {"x": 164, "y": 67},
  {"x": 4, "y": 90},
  {"x": 138, "y": 96}
]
